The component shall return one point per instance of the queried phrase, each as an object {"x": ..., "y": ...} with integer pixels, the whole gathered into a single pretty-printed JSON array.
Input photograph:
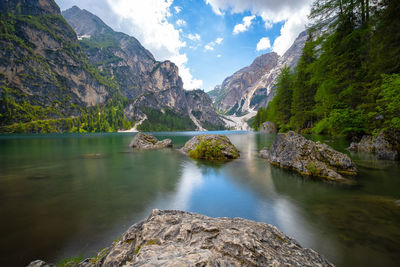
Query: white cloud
[
  {"x": 242, "y": 27},
  {"x": 194, "y": 37},
  {"x": 184, "y": 72},
  {"x": 148, "y": 22},
  {"x": 219, "y": 55},
  {"x": 210, "y": 46},
  {"x": 263, "y": 44},
  {"x": 292, "y": 13},
  {"x": 289, "y": 31},
  {"x": 177, "y": 9},
  {"x": 180, "y": 23}
]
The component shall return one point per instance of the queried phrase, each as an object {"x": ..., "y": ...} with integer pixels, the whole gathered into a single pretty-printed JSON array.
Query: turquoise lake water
[{"x": 70, "y": 195}]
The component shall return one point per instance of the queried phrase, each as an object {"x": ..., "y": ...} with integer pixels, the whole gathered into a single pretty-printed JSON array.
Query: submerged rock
[
  {"x": 177, "y": 238},
  {"x": 293, "y": 151},
  {"x": 268, "y": 127},
  {"x": 148, "y": 141},
  {"x": 211, "y": 147},
  {"x": 386, "y": 145}
]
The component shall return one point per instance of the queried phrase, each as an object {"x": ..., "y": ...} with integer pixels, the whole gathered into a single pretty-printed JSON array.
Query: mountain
[
  {"x": 251, "y": 87},
  {"x": 85, "y": 78},
  {"x": 147, "y": 83},
  {"x": 41, "y": 61}
]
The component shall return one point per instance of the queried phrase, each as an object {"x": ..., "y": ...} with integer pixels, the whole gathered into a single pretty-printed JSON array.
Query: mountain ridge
[
  {"x": 136, "y": 70},
  {"x": 54, "y": 80},
  {"x": 251, "y": 87}
]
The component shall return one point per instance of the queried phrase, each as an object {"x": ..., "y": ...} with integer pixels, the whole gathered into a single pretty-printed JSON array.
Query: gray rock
[
  {"x": 177, "y": 238},
  {"x": 211, "y": 147},
  {"x": 293, "y": 151},
  {"x": 39, "y": 263},
  {"x": 268, "y": 128},
  {"x": 148, "y": 141},
  {"x": 385, "y": 145}
]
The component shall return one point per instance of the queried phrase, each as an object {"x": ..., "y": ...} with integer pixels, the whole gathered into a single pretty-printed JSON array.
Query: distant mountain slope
[
  {"x": 143, "y": 80},
  {"x": 251, "y": 87}
]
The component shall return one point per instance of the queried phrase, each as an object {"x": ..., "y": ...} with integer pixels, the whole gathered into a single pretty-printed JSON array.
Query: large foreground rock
[
  {"x": 177, "y": 238},
  {"x": 211, "y": 147},
  {"x": 386, "y": 145},
  {"x": 148, "y": 141},
  {"x": 268, "y": 128},
  {"x": 293, "y": 151}
]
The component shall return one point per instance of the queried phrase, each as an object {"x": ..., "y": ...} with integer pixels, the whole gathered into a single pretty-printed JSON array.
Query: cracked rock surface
[
  {"x": 177, "y": 238},
  {"x": 293, "y": 151}
]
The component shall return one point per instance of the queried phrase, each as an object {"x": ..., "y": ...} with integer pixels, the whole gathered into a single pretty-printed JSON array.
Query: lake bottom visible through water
[{"x": 70, "y": 195}]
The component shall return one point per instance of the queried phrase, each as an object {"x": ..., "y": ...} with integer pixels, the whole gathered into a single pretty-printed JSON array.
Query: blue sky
[{"x": 208, "y": 39}]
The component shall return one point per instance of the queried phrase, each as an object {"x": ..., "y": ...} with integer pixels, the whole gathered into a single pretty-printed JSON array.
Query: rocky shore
[
  {"x": 177, "y": 238},
  {"x": 268, "y": 128},
  {"x": 386, "y": 145},
  {"x": 293, "y": 151}
]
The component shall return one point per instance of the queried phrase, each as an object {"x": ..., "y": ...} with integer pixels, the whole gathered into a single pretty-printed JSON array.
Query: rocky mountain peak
[
  {"x": 251, "y": 87},
  {"x": 85, "y": 23},
  {"x": 147, "y": 83},
  {"x": 263, "y": 61}
]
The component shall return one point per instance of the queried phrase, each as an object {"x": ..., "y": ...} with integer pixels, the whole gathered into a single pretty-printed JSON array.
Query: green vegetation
[
  {"x": 137, "y": 249},
  {"x": 167, "y": 120},
  {"x": 347, "y": 80},
  {"x": 27, "y": 118},
  {"x": 212, "y": 149},
  {"x": 207, "y": 150},
  {"x": 70, "y": 262}
]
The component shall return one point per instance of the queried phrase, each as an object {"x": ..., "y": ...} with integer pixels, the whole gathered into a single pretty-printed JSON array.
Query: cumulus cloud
[
  {"x": 263, "y": 44},
  {"x": 180, "y": 23},
  {"x": 177, "y": 9},
  {"x": 194, "y": 37},
  {"x": 148, "y": 21},
  {"x": 210, "y": 46},
  {"x": 242, "y": 27},
  {"x": 292, "y": 13},
  {"x": 289, "y": 31}
]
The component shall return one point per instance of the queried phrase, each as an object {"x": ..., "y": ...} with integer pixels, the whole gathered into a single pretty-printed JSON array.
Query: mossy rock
[{"x": 211, "y": 147}]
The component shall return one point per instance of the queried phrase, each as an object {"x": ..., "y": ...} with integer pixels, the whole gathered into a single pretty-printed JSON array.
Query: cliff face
[
  {"x": 251, "y": 87},
  {"x": 143, "y": 80},
  {"x": 41, "y": 60}
]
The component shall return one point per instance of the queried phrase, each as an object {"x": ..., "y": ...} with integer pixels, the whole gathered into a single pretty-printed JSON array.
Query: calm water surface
[{"x": 71, "y": 195}]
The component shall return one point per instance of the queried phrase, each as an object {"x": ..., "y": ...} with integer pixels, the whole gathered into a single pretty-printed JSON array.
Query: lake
[{"x": 70, "y": 195}]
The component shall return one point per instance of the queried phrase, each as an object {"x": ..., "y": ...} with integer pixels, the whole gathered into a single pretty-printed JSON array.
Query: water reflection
[{"x": 77, "y": 193}]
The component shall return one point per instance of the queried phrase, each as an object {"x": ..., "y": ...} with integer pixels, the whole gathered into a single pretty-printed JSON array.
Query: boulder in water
[
  {"x": 211, "y": 147},
  {"x": 386, "y": 145},
  {"x": 148, "y": 141},
  {"x": 293, "y": 151}
]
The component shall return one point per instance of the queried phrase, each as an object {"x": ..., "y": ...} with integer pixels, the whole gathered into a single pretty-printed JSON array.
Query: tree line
[{"x": 347, "y": 81}]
